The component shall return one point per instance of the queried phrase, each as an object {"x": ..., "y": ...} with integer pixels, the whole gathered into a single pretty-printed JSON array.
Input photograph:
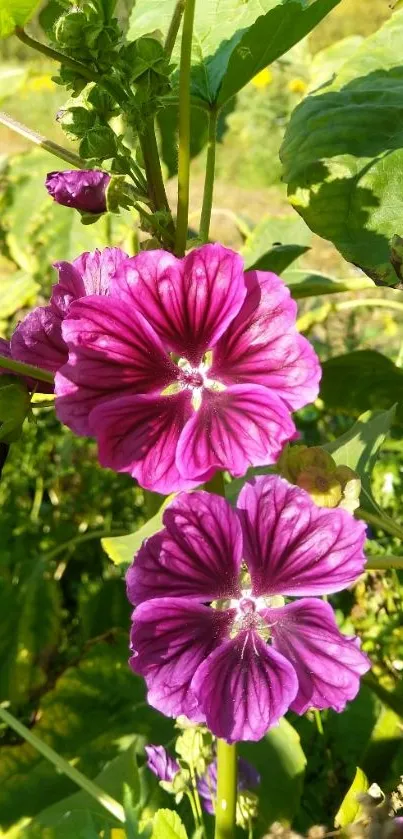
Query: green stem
[
  {"x": 174, "y": 27},
  {"x": 155, "y": 182},
  {"x": 57, "y": 56},
  {"x": 43, "y": 142},
  {"x": 82, "y": 537},
  {"x": 26, "y": 369},
  {"x": 153, "y": 502},
  {"x": 382, "y": 563},
  {"x": 216, "y": 484},
  {"x": 63, "y": 766},
  {"x": 225, "y": 810},
  {"x": 184, "y": 129},
  {"x": 380, "y": 522},
  {"x": 209, "y": 178},
  {"x": 318, "y": 720},
  {"x": 369, "y": 301}
]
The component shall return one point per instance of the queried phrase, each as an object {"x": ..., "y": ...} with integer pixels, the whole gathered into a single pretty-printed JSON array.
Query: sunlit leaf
[
  {"x": 15, "y": 13},
  {"x": 350, "y": 809},
  {"x": 167, "y": 825},
  {"x": 122, "y": 549}
]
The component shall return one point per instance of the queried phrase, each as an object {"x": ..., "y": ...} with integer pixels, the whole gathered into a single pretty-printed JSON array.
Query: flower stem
[
  {"x": 63, "y": 766},
  {"x": 184, "y": 129},
  {"x": 383, "y": 563},
  {"x": 22, "y": 369},
  {"x": 209, "y": 178},
  {"x": 149, "y": 148},
  {"x": 174, "y": 27},
  {"x": 225, "y": 810},
  {"x": 216, "y": 484},
  {"x": 380, "y": 522},
  {"x": 57, "y": 56},
  {"x": 43, "y": 142}
]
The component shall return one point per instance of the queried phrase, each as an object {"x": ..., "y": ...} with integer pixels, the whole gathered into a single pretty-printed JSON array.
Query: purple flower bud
[
  {"x": 161, "y": 763},
  {"x": 84, "y": 190}
]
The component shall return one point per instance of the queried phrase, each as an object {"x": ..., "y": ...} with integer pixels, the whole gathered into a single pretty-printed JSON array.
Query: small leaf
[
  {"x": 122, "y": 549},
  {"x": 304, "y": 283},
  {"x": 350, "y": 809},
  {"x": 362, "y": 380},
  {"x": 271, "y": 232},
  {"x": 359, "y": 447},
  {"x": 15, "y": 13},
  {"x": 279, "y": 258},
  {"x": 167, "y": 825}
]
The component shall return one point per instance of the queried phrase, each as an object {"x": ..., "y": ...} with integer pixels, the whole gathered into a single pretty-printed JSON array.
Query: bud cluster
[{"x": 314, "y": 470}]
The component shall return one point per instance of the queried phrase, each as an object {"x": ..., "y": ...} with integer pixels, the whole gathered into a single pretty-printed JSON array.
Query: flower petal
[
  {"x": 262, "y": 346},
  {"x": 294, "y": 547},
  {"x": 38, "y": 339},
  {"x": 189, "y": 302},
  {"x": 113, "y": 352},
  {"x": 197, "y": 556},
  {"x": 139, "y": 435},
  {"x": 161, "y": 763},
  {"x": 242, "y": 426},
  {"x": 90, "y": 273},
  {"x": 170, "y": 638},
  {"x": 244, "y": 687},
  {"x": 328, "y": 664}
]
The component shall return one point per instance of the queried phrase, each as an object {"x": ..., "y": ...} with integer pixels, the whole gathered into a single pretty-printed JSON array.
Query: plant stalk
[
  {"x": 55, "y": 55},
  {"x": 184, "y": 129},
  {"x": 63, "y": 766},
  {"x": 380, "y": 522},
  {"x": 225, "y": 809},
  {"x": 22, "y": 369},
  {"x": 383, "y": 563},
  {"x": 209, "y": 177},
  {"x": 174, "y": 27},
  {"x": 43, "y": 142}
]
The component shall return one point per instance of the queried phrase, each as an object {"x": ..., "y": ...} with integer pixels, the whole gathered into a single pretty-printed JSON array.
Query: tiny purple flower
[
  {"x": 161, "y": 763},
  {"x": 212, "y": 633},
  {"x": 190, "y": 366},
  {"x": 82, "y": 189},
  {"x": 38, "y": 338}
]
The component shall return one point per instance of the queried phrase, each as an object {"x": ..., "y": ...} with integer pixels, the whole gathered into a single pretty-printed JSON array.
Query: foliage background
[{"x": 63, "y": 613}]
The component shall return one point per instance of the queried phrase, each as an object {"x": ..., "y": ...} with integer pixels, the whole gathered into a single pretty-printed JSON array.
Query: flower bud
[
  {"x": 84, "y": 190},
  {"x": 314, "y": 470}
]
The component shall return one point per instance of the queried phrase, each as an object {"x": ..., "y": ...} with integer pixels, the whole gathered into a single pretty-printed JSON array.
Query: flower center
[
  {"x": 249, "y": 612},
  {"x": 194, "y": 379}
]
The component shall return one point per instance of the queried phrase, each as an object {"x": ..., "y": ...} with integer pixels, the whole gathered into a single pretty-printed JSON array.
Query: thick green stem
[
  {"x": 22, "y": 369},
  {"x": 63, "y": 766},
  {"x": 383, "y": 563},
  {"x": 152, "y": 165},
  {"x": 216, "y": 484},
  {"x": 174, "y": 27},
  {"x": 380, "y": 522},
  {"x": 153, "y": 502},
  {"x": 225, "y": 810},
  {"x": 43, "y": 142},
  {"x": 57, "y": 56},
  {"x": 209, "y": 178},
  {"x": 184, "y": 129}
]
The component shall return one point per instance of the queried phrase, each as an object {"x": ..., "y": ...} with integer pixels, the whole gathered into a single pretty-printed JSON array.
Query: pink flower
[
  {"x": 82, "y": 189},
  {"x": 212, "y": 633},
  {"x": 38, "y": 338},
  {"x": 189, "y": 366}
]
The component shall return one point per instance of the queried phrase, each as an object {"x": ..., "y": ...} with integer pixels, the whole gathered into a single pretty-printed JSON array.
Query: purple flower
[
  {"x": 38, "y": 338},
  {"x": 189, "y": 366},
  {"x": 161, "y": 763},
  {"x": 82, "y": 189},
  {"x": 212, "y": 634},
  {"x": 248, "y": 778}
]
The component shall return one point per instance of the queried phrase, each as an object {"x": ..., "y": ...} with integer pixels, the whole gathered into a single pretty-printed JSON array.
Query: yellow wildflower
[
  {"x": 298, "y": 86},
  {"x": 263, "y": 79},
  {"x": 40, "y": 83}
]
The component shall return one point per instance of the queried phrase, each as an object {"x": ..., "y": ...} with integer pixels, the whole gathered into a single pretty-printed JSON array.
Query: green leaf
[
  {"x": 14, "y": 407},
  {"x": 15, "y": 13},
  {"x": 87, "y": 718},
  {"x": 122, "y": 549},
  {"x": 272, "y": 232},
  {"x": 343, "y": 154},
  {"x": 350, "y": 809},
  {"x": 16, "y": 291},
  {"x": 167, "y": 825},
  {"x": 232, "y": 40},
  {"x": 278, "y": 258},
  {"x": 304, "y": 283},
  {"x": 360, "y": 381},
  {"x": 359, "y": 447},
  {"x": 281, "y": 763},
  {"x": 30, "y": 612},
  {"x": 272, "y": 35}
]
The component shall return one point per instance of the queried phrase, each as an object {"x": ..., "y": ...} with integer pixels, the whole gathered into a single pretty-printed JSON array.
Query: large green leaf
[
  {"x": 359, "y": 447},
  {"x": 274, "y": 231},
  {"x": 87, "y": 718},
  {"x": 30, "y": 616},
  {"x": 360, "y": 381},
  {"x": 281, "y": 763},
  {"x": 122, "y": 549},
  {"x": 343, "y": 154},
  {"x": 228, "y": 49},
  {"x": 167, "y": 825},
  {"x": 15, "y": 13}
]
